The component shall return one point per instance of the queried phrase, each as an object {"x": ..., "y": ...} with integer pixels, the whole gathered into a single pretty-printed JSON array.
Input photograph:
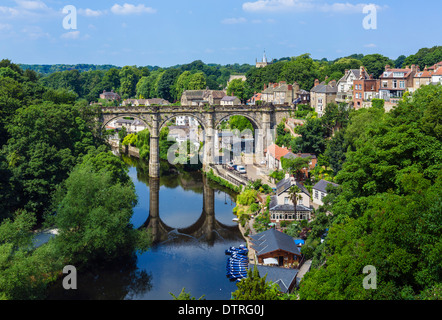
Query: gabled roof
[
  {"x": 324, "y": 88},
  {"x": 274, "y": 206},
  {"x": 283, "y": 277},
  {"x": 276, "y": 151},
  {"x": 322, "y": 185},
  {"x": 285, "y": 184},
  {"x": 229, "y": 98},
  {"x": 272, "y": 240}
]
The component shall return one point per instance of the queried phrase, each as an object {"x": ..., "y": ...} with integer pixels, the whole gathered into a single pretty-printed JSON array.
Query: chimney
[
  {"x": 290, "y": 87},
  {"x": 332, "y": 83},
  {"x": 346, "y": 71},
  {"x": 287, "y": 176},
  {"x": 387, "y": 67},
  {"x": 371, "y": 76},
  {"x": 275, "y": 85},
  {"x": 316, "y": 82},
  {"x": 413, "y": 68},
  {"x": 265, "y": 86},
  {"x": 361, "y": 73}
]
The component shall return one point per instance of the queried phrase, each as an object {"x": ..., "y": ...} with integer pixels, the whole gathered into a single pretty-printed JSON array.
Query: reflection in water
[{"x": 191, "y": 221}]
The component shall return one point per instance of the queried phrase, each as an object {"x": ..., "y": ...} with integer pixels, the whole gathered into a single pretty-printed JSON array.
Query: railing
[{"x": 237, "y": 174}]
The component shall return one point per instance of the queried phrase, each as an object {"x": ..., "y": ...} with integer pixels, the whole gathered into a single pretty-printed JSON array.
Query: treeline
[
  {"x": 88, "y": 81},
  {"x": 56, "y": 172},
  {"x": 45, "y": 69},
  {"x": 387, "y": 211}
]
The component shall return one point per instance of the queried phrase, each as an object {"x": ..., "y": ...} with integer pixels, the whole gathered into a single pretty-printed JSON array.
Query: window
[
  {"x": 322, "y": 195},
  {"x": 384, "y": 84},
  {"x": 300, "y": 201},
  {"x": 286, "y": 200},
  {"x": 316, "y": 194},
  {"x": 401, "y": 84},
  {"x": 394, "y": 83}
]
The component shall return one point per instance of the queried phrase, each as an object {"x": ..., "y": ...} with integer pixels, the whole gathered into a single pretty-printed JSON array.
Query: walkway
[{"x": 303, "y": 270}]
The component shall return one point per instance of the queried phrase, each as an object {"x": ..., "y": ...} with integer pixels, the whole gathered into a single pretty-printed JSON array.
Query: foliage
[
  {"x": 387, "y": 211},
  {"x": 247, "y": 197},
  {"x": 185, "y": 296},
  {"x": 93, "y": 216},
  {"x": 254, "y": 287}
]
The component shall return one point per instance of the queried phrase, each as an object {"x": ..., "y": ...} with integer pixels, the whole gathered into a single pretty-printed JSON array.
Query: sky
[{"x": 170, "y": 32}]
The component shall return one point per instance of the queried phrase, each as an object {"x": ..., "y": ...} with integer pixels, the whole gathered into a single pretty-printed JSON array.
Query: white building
[{"x": 319, "y": 192}]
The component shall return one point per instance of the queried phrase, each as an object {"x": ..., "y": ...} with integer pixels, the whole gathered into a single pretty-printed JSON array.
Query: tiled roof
[
  {"x": 283, "y": 277},
  {"x": 276, "y": 151},
  {"x": 285, "y": 184},
  {"x": 272, "y": 240},
  {"x": 323, "y": 88}
]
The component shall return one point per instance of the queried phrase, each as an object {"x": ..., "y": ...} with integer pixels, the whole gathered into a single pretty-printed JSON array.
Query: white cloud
[
  {"x": 31, "y": 4},
  {"x": 127, "y": 9},
  {"x": 90, "y": 12},
  {"x": 5, "y": 26},
  {"x": 370, "y": 45},
  {"x": 72, "y": 35},
  {"x": 234, "y": 20},
  {"x": 302, "y": 6}
]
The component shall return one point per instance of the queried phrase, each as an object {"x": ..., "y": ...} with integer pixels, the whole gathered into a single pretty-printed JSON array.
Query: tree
[
  {"x": 166, "y": 84},
  {"x": 93, "y": 216},
  {"x": 253, "y": 287},
  {"x": 375, "y": 64},
  {"x": 129, "y": 77},
  {"x": 237, "y": 87},
  {"x": 197, "y": 81},
  {"x": 295, "y": 195}
]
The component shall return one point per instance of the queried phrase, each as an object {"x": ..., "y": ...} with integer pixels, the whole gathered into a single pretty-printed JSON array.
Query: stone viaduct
[{"x": 264, "y": 119}]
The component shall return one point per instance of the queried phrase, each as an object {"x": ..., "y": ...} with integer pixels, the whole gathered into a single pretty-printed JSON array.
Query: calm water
[{"x": 193, "y": 222}]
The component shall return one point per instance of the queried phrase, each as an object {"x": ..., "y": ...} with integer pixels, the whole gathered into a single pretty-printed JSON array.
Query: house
[
  {"x": 319, "y": 192},
  {"x": 281, "y": 93},
  {"x": 275, "y": 245},
  {"x": 345, "y": 85},
  {"x": 273, "y": 155},
  {"x": 364, "y": 91},
  {"x": 421, "y": 78},
  {"x": 186, "y": 121},
  {"x": 201, "y": 97},
  {"x": 145, "y": 102},
  {"x": 436, "y": 77},
  {"x": 322, "y": 94},
  {"x": 256, "y": 97},
  {"x": 283, "y": 277},
  {"x": 110, "y": 95},
  {"x": 282, "y": 192},
  {"x": 193, "y": 98},
  {"x": 394, "y": 83},
  {"x": 132, "y": 126},
  {"x": 303, "y": 97},
  {"x": 230, "y": 101}
]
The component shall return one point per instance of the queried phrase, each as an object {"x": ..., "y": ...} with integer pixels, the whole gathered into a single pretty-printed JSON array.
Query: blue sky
[{"x": 170, "y": 32}]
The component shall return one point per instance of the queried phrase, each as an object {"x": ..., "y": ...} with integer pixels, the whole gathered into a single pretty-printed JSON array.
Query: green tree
[
  {"x": 237, "y": 87},
  {"x": 93, "y": 216},
  {"x": 254, "y": 287},
  {"x": 295, "y": 195}
]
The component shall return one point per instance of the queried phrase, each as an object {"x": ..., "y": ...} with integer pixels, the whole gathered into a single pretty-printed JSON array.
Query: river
[{"x": 191, "y": 221}]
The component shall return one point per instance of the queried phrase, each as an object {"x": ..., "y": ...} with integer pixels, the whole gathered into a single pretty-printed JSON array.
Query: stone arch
[
  {"x": 255, "y": 123},
  {"x": 169, "y": 116}
]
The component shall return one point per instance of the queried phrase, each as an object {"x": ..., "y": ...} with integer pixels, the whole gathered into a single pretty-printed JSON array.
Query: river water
[{"x": 191, "y": 221}]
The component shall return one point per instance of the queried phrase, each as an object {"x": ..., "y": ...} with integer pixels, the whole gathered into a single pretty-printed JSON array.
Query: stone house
[
  {"x": 273, "y": 155},
  {"x": 230, "y": 101},
  {"x": 201, "y": 97},
  {"x": 322, "y": 94},
  {"x": 110, "y": 95}
]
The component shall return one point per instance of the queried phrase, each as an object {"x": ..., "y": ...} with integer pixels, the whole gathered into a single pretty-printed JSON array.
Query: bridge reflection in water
[{"x": 206, "y": 229}]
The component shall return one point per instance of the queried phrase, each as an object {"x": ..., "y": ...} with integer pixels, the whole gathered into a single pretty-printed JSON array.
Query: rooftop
[
  {"x": 283, "y": 277},
  {"x": 272, "y": 240},
  {"x": 322, "y": 185}
]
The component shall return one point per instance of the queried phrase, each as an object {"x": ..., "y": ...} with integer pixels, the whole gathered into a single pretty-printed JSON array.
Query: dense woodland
[{"x": 55, "y": 170}]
